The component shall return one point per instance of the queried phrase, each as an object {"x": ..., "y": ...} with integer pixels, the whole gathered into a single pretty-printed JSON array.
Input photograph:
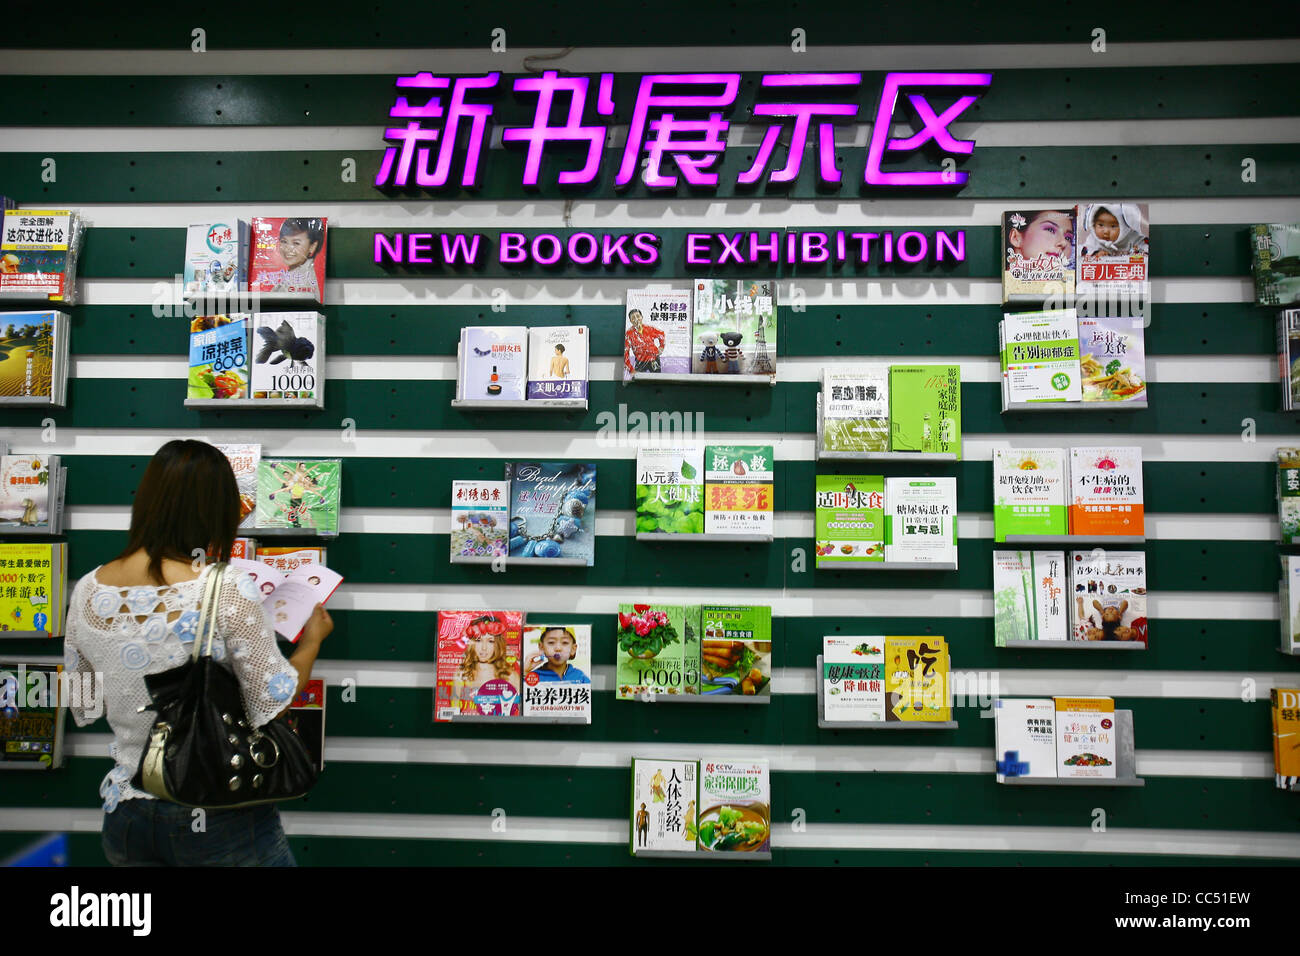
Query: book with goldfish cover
[{"x": 478, "y": 666}]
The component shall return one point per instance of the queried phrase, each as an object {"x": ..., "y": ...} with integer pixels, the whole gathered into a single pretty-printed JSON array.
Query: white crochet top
[{"x": 124, "y": 633}]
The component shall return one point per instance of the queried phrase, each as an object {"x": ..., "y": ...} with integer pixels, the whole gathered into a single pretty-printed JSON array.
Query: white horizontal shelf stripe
[
  {"x": 524, "y": 293},
  {"x": 867, "y": 758},
  {"x": 622, "y": 214},
  {"x": 613, "y": 522},
  {"x": 407, "y": 368},
  {"x": 1123, "y": 133},
  {"x": 322, "y": 442},
  {"x": 777, "y": 57}
]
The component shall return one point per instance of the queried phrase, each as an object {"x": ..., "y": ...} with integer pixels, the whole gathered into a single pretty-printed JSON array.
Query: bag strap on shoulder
[{"x": 208, "y": 610}]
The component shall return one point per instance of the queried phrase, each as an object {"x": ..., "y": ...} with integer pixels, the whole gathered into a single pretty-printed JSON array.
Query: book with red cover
[
  {"x": 288, "y": 256},
  {"x": 478, "y": 666}
]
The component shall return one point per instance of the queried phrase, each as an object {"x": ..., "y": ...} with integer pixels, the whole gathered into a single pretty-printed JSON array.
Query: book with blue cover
[{"x": 552, "y": 509}]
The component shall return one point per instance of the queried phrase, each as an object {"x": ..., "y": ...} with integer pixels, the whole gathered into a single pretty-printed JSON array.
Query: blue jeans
[{"x": 157, "y": 833}]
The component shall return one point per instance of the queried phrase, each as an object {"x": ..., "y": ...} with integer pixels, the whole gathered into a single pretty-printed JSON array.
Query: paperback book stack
[
  {"x": 32, "y": 714},
  {"x": 867, "y": 519},
  {"x": 1275, "y": 263},
  {"x": 705, "y": 807},
  {"x": 34, "y": 358},
  {"x": 715, "y": 651},
  {"x": 882, "y": 408},
  {"x": 34, "y": 598},
  {"x": 39, "y": 249},
  {"x": 273, "y": 357},
  {"x": 1058, "y": 737},
  {"x": 31, "y": 494},
  {"x": 547, "y": 365},
  {"x": 541, "y": 511},
  {"x": 885, "y": 680}
]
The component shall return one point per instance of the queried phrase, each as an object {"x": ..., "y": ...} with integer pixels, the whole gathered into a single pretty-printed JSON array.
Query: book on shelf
[
  {"x": 243, "y": 458},
  {"x": 557, "y": 671},
  {"x": 1037, "y": 254},
  {"x": 219, "y": 356},
  {"x": 1040, "y": 357},
  {"x": 1284, "y": 708},
  {"x": 34, "y": 358},
  {"x": 1029, "y": 487},
  {"x": 670, "y": 489},
  {"x": 1288, "y": 357},
  {"x": 925, "y": 409},
  {"x": 307, "y": 719},
  {"x": 1106, "y": 490},
  {"x": 289, "y": 599},
  {"x": 1112, "y": 359},
  {"x": 733, "y": 327},
  {"x": 657, "y": 332},
  {"x": 658, "y": 651},
  {"x": 552, "y": 509},
  {"x": 916, "y": 679},
  {"x": 1085, "y": 737},
  {"x": 735, "y": 808},
  {"x": 216, "y": 257},
  {"x": 921, "y": 520},
  {"x": 738, "y": 490},
  {"x": 853, "y": 679},
  {"x": 288, "y": 256},
  {"x": 288, "y": 351},
  {"x": 1025, "y": 731},
  {"x": 1114, "y": 249},
  {"x": 31, "y": 497},
  {"x": 1289, "y": 603},
  {"x": 39, "y": 249},
  {"x": 478, "y": 664},
  {"x": 1108, "y": 591},
  {"x": 849, "y": 520},
  {"x": 480, "y": 519},
  {"x": 1288, "y": 495},
  {"x": 242, "y": 548},
  {"x": 299, "y": 494},
  {"x": 493, "y": 363},
  {"x": 735, "y": 650},
  {"x": 664, "y": 799},
  {"x": 1275, "y": 262},
  {"x": 288, "y": 559},
  {"x": 31, "y": 714},
  {"x": 1029, "y": 596},
  {"x": 557, "y": 361},
  {"x": 855, "y": 408},
  {"x": 35, "y": 596}
]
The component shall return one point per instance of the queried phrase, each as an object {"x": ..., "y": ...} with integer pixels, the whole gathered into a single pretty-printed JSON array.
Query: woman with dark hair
[{"x": 139, "y": 615}]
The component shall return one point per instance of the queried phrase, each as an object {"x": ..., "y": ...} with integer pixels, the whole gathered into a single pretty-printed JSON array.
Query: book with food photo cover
[
  {"x": 1112, "y": 359},
  {"x": 850, "y": 519},
  {"x": 735, "y": 810},
  {"x": 853, "y": 679},
  {"x": 735, "y": 651},
  {"x": 1085, "y": 737},
  {"x": 289, "y": 599}
]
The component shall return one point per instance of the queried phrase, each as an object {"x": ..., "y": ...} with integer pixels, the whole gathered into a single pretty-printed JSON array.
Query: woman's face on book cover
[
  {"x": 1048, "y": 233},
  {"x": 295, "y": 247}
]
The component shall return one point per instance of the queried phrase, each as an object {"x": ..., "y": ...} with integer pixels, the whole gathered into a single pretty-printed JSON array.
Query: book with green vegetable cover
[
  {"x": 925, "y": 408},
  {"x": 657, "y": 652},
  {"x": 735, "y": 650},
  {"x": 670, "y": 490},
  {"x": 850, "y": 519},
  {"x": 735, "y": 809}
]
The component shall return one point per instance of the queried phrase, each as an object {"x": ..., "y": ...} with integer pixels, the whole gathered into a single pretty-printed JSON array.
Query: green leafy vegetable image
[{"x": 688, "y": 471}]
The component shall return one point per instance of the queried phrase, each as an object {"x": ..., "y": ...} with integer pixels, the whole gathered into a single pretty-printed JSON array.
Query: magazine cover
[
  {"x": 739, "y": 489},
  {"x": 658, "y": 653},
  {"x": 557, "y": 670},
  {"x": 657, "y": 333},
  {"x": 850, "y": 519},
  {"x": 25, "y": 489},
  {"x": 493, "y": 363},
  {"x": 855, "y": 408},
  {"x": 1038, "y": 254},
  {"x": 1109, "y": 591},
  {"x": 219, "y": 360},
  {"x": 243, "y": 460},
  {"x": 670, "y": 490},
  {"x": 1114, "y": 240},
  {"x": 552, "y": 509},
  {"x": 285, "y": 347},
  {"x": 38, "y": 249},
  {"x": 853, "y": 679},
  {"x": 27, "y": 349},
  {"x": 478, "y": 664},
  {"x": 1275, "y": 262},
  {"x": 299, "y": 494},
  {"x": 557, "y": 361},
  {"x": 288, "y": 256},
  {"x": 216, "y": 257},
  {"x": 664, "y": 795},
  {"x": 735, "y": 650},
  {"x": 480, "y": 518},
  {"x": 735, "y": 813},
  {"x": 31, "y": 714},
  {"x": 1029, "y": 492},
  {"x": 734, "y": 327},
  {"x": 1029, "y": 598}
]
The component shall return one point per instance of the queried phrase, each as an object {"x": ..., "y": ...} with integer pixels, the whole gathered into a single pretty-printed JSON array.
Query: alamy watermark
[
  {"x": 637, "y": 429},
  {"x": 40, "y": 689}
]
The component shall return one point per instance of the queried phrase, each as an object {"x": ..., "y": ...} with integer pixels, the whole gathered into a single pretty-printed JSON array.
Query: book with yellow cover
[
  {"x": 1085, "y": 737},
  {"x": 1286, "y": 737},
  {"x": 916, "y": 679},
  {"x": 33, "y": 597}
]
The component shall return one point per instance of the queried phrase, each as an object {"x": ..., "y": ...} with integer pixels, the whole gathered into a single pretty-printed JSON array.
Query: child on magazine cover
[
  {"x": 1113, "y": 229},
  {"x": 557, "y": 647}
]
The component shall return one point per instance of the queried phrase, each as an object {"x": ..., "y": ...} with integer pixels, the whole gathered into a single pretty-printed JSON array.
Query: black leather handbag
[{"x": 202, "y": 750}]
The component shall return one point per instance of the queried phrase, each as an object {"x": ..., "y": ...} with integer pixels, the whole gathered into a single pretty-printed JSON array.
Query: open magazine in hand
[{"x": 291, "y": 598}]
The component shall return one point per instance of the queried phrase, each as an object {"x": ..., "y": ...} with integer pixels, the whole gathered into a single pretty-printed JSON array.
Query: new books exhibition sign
[{"x": 556, "y": 131}]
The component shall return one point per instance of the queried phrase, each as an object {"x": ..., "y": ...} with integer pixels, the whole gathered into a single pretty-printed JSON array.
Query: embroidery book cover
[
  {"x": 557, "y": 670},
  {"x": 1114, "y": 245},
  {"x": 216, "y": 257},
  {"x": 28, "y": 346},
  {"x": 853, "y": 678},
  {"x": 288, "y": 256},
  {"x": 557, "y": 361},
  {"x": 287, "y": 349},
  {"x": 480, "y": 518},
  {"x": 552, "y": 509},
  {"x": 1106, "y": 490},
  {"x": 493, "y": 363},
  {"x": 478, "y": 668},
  {"x": 850, "y": 519},
  {"x": 219, "y": 359},
  {"x": 855, "y": 408},
  {"x": 670, "y": 489},
  {"x": 664, "y": 796},
  {"x": 31, "y": 714},
  {"x": 734, "y": 327},
  {"x": 25, "y": 488},
  {"x": 1037, "y": 254},
  {"x": 738, "y": 489},
  {"x": 299, "y": 494},
  {"x": 658, "y": 651},
  {"x": 735, "y": 811},
  {"x": 657, "y": 332},
  {"x": 1029, "y": 492},
  {"x": 735, "y": 650},
  {"x": 1029, "y": 596},
  {"x": 1109, "y": 595}
]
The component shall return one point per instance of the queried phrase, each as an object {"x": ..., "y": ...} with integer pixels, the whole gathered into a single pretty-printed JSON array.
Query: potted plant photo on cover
[{"x": 645, "y": 632}]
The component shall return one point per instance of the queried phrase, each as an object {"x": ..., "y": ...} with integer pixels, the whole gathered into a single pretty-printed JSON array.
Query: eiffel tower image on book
[{"x": 762, "y": 363}]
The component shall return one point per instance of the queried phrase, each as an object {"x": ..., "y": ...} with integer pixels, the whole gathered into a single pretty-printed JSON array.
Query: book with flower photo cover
[
  {"x": 658, "y": 651},
  {"x": 289, "y": 599}
]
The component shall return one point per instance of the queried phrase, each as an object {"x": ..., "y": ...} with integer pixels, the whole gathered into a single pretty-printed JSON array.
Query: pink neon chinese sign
[{"x": 679, "y": 123}]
